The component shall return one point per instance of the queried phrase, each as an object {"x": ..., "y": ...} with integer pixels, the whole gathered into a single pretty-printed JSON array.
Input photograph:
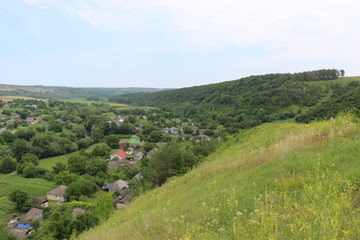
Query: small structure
[
  {"x": 174, "y": 130},
  {"x": 76, "y": 211},
  {"x": 165, "y": 130},
  {"x": 137, "y": 177},
  {"x": 57, "y": 194},
  {"x": 138, "y": 155},
  {"x": 32, "y": 215},
  {"x": 129, "y": 150},
  {"x": 39, "y": 202},
  {"x": 119, "y": 185},
  {"x": 118, "y": 155}
]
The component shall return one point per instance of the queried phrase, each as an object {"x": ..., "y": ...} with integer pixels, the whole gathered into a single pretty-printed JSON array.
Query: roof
[
  {"x": 33, "y": 214},
  {"x": 20, "y": 233},
  {"x": 119, "y": 184},
  {"x": 38, "y": 201},
  {"x": 77, "y": 211},
  {"x": 59, "y": 191},
  {"x": 134, "y": 140},
  {"x": 113, "y": 164},
  {"x": 119, "y": 153}
]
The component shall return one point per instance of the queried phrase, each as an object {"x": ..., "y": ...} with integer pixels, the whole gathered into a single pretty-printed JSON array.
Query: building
[
  {"x": 32, "y": 215},
  {"x": 57, "y": 194},
  {"x": 117, "y": 186}
]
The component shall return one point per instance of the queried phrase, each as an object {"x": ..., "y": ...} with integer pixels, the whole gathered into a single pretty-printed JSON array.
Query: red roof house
[{"x": 119, "y": 155}]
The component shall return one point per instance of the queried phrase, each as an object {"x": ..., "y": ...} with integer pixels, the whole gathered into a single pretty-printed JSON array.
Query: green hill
[
  {"x": 245, "y": 102},
  {"x": 276, "y": 181}
]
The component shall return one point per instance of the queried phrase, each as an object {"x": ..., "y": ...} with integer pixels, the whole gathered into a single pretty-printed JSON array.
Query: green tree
[
  {"x": 155, "y": 136},
  {"x": 21, "y": 200},
  {"x": 7, "y": 164},
  {"x": 112, "y": 140},
  {"x": 101, "y": 150}
]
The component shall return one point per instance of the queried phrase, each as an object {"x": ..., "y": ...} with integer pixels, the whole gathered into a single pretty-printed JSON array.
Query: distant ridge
[{"x": 59, "y": 93}]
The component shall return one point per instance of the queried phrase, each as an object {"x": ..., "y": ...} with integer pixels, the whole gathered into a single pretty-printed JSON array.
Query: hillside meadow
[
  {"x": 279, "y": 180},
  {"x": 35, "y": 187}
]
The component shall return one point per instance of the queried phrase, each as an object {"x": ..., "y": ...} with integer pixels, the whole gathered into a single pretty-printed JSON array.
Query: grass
[
  {"x": 277, "y": 181},
  {"x": 9, "y": 182}
]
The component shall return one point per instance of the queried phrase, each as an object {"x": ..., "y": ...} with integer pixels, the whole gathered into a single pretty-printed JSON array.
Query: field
[
  {"x": 11, "y": 98},
  {"x": 9, "y": 182},
  {"x": 280, "y": 180},
  {"x": 83, "y": 100}
]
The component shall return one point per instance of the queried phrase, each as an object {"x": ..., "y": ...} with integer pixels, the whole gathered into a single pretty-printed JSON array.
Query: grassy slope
[
  {"x": 9, "y": 182},
  {"x": 276, "y": 181}
]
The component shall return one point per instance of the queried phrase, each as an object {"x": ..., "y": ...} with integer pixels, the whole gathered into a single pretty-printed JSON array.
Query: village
[{"x": 149, "y": 139}]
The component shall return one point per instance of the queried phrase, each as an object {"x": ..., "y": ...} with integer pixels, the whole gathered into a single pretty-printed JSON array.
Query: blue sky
[{"x": 172, "y": 43}]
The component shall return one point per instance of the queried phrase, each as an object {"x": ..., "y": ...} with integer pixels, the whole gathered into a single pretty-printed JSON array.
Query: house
[
  {"x": 159, "y": 144},
  {"x": 118, "y": 155},
  {"x": 129, "y": 151},
  {"x": 39, "y": 202},
  {"x": 57, "y": 194},
  {"x": 204, "y": 137},
  {"x": 76, "y": 211},
  {"x": 32, "y": 215},
  {"x": 137, "y": 177},
  {"x": 174, "y": 130},
  {"x": 5, "y": 106},
  {"x": 15, "y": 115},
  {"x": 201, "y": 131},
  {"x": 119, "y": 185},
  {"x": 194, "y": 129},
  {"x": 138, "y": 155},
  {"x": 165, "y": 130}
]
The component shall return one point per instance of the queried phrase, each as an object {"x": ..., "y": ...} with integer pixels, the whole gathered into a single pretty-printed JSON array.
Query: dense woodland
[{"x": 241, "y": 103}]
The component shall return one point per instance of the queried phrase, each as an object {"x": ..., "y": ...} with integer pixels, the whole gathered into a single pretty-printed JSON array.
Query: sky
[{"x": 172, "y": 43}]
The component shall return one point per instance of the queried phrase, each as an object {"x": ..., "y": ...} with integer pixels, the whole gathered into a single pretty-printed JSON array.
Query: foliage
[
  {"x": 21, "y": 200},
  {"x": 83, "y": 186},
  {"x": 7, "y": 164}
]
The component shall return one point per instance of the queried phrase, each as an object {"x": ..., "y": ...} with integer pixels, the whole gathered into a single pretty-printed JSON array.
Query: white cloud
[{"x": 303, "y": 29}]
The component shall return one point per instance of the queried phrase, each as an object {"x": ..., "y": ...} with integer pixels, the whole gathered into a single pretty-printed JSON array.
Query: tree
[
  {"x": 7, "y": 164},
  {"x": 65, "y": 178},
  {"x": 101, "y": 150},
  {"x": 9, "y": 137},
  {"x": 188, "y": 130},
  {"x": 55, "y": 126},
  {"x": 155, "y": 136},
  {"x": 83, "y": 186},
  {"x": 30, "y": 158},
  {"x": 112, "y": 140},
  {"x": 342, "y": 73},
  {"x": 77, "y": 164},
  {"x": 21, "y": 200}
]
